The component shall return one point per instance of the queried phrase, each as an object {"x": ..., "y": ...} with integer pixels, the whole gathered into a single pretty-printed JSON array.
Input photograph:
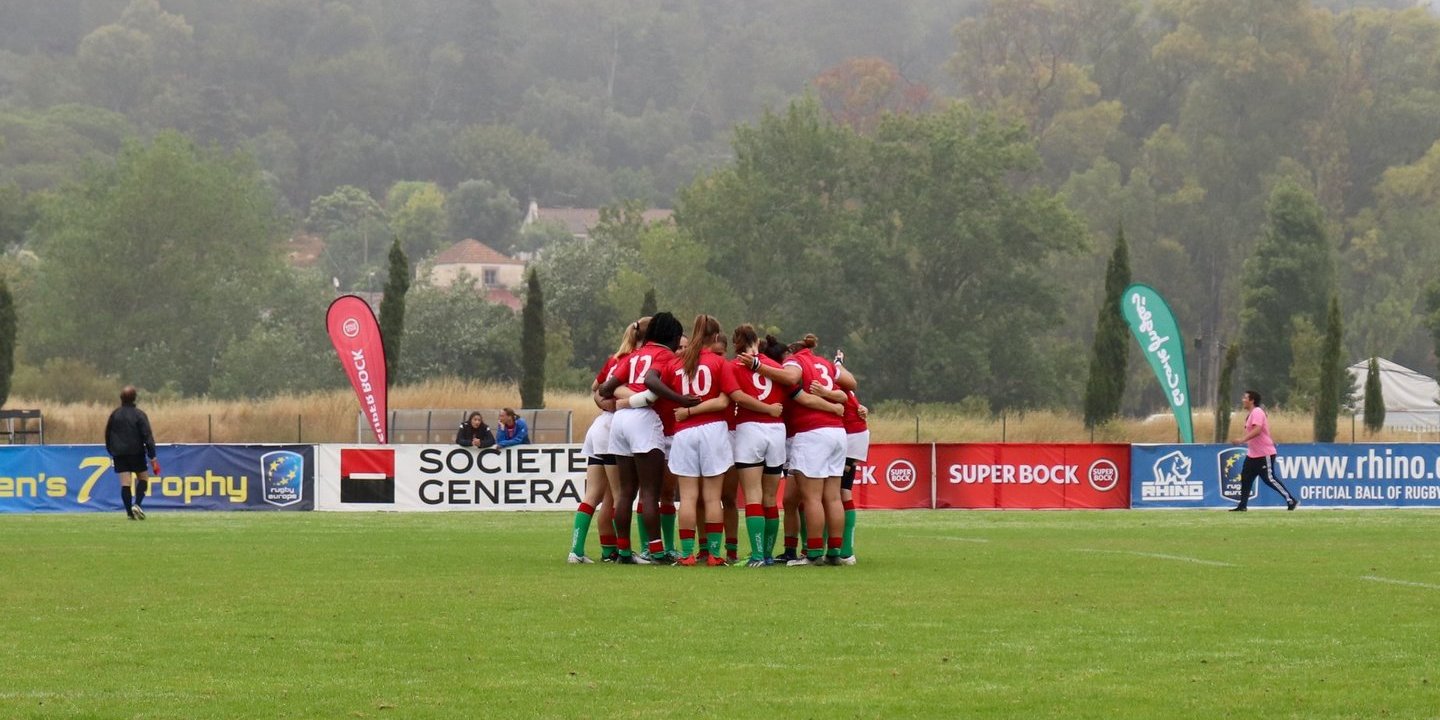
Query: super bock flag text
[{"x": 356, "y": 337}]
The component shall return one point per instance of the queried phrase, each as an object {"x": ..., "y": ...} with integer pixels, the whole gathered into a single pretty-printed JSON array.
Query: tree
[
  {"x": 1432, "y": 314},
  {"x": 419, "y": 224},
  {"x": 352, "y": 223},
  {"x": 195, "y": 226},
  {"x": 532, "y": 344},
  {"x": 285, "y": 352},
  {"x": 485, "y": 211},
  {"x": 1110, "y": 355},
  {"x": 1223, "y": 400},
  {"x": 1374, "y": 399},
  {"x": 1289, "y": 276},
  {"x": 648, "y": 306},
  {"x": 7, "y": 339},
  {"x": 454, "y": 332},
  {"x": 392, "y": 310},
  {"x": 1327, "y": 400}
]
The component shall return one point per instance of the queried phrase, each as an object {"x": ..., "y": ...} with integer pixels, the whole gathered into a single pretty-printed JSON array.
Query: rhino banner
[{"x": 1318, "y": 475}]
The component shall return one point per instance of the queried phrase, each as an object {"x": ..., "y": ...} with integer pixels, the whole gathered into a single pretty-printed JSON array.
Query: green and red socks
[
  {"x": 847, "y": 547},
  {"x": 772, "y": 529},
  {"x": 755, "y": 530},
  {"x": 713, "y": 533},
  {"x": 639, "y": 519},
  {"x": 833, "y": 546},
  {"x": 814, "y": 548},
  {"x": 667, "y": 524},
  {"x": 583, "y": 516},
  {"x": 687, "y": 542}
]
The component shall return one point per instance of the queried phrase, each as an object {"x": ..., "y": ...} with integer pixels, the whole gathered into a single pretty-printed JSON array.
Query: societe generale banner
[{"x": 448, "y": 477}]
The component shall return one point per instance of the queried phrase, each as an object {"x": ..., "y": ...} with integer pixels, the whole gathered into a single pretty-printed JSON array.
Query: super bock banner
[
  {"x": 356, "y": 337},
  {"x": 1154, "y": 327}
]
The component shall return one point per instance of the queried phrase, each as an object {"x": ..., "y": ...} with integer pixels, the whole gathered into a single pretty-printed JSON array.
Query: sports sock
[
  {"x": 667, "y": 524},
  {"x": 772, "y": 529},
  {"x": 732, "y": 548},
  {"x": 687, "y": 542},
  {"x": 755, "y": 530},
  {"x": 847, "y": 548},
  {"x": 622, "y": 546},
  {"x": 713, "y": 531},
  {"x": 583, "y": 516},
  {"x": 833, "y": 547},
  {"x": 814, "y": 548},
  {"x": 791, "y": 542},
  {"x": 607, "y": 545},
  {"x": 141, "y": 485},
  {"x": 125, "y": 497},
  {"x": 656, "y": 547},
  {"x": 640, "y": 520}
]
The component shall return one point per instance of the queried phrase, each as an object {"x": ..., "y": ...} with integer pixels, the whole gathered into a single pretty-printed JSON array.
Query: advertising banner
[
  {"x": 895, "y": 477},
  {"x": 1155, "y": 329},
  {"x": 1001, "y": 475},
  {"x": 1319, "y": 475},
  {"x": 356, "y": 337},
  {"x": 448, "y": 477},
  {"x": 79, "y": 478}
]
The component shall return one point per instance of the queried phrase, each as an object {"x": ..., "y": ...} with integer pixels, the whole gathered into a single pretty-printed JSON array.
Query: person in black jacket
[
  {"x": 474, "y": 433},
  {"x": 129, "y": 441}
]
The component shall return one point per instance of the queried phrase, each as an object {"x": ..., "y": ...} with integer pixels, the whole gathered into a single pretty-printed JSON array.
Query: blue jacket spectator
[{"x": 512, "y": 430}]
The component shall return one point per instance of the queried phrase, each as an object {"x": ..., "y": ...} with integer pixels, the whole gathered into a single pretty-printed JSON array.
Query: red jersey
[
  {"x": 609, "y": 369},
  {"x": 663, "y": 407},
  {"x": 799, "y": 418},
  {"x": 651, "y": 356},
  {"x": 706, "y": 385},
  {"x": 852, "y": 420},
  {"x": 757, "y": 386}
]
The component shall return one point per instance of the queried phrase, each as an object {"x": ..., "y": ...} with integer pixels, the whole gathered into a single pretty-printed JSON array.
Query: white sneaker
[
  {"x": 579, "y": 560},
  {"x": 139, "y": 512},
  {"x": 643, "y": 558},
  {"x": 850, "y": 560},
  {"x": 804, "y": 560}
]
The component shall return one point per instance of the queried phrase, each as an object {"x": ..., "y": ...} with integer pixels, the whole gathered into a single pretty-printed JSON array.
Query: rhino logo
[{"x": 1171, "y": 480}]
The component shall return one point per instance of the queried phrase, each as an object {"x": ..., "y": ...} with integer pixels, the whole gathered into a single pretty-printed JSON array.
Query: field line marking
[
  {"x": 1406, "y": 583},
  {"x": 1158, "y": 556},
  {"x": 956, "y": 538}
]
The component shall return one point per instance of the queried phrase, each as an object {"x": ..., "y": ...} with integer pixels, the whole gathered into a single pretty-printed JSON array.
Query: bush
[{"x": 67, "y": 381}]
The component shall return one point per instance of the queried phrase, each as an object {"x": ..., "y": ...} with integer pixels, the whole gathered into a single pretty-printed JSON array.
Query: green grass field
[{"x": 1312, "y": 614}]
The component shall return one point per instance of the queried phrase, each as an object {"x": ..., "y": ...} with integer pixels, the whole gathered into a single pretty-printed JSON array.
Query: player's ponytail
[
  {"x": 706, "y": 328},
  {"x": 633, "y": 336}
]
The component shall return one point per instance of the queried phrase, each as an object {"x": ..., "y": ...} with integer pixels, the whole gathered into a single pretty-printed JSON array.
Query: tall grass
[{"x": 331, "y": 417}]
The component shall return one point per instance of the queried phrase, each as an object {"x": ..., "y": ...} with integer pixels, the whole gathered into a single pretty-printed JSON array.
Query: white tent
[{"x": 1412, "y": 399}]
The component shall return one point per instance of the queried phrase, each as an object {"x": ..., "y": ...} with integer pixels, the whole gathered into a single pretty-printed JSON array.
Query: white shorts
[
  {"x": 857, "y": 445},
  {"x": 760, "y": 442},
  {"x": 597, "y": 438},
  {"x": 701, "y": 451},
  {"x": 635, "y": 431},
  {"x": 819, "y": 453}
]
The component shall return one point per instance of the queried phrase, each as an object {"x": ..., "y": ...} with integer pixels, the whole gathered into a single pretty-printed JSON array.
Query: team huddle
[{"x": 677, "y": 415}]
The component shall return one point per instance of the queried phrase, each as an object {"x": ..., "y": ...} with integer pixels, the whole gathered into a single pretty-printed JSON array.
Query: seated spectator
[
  {"x": 512, "y": 430},
  {"x": 474, "y": 433}
]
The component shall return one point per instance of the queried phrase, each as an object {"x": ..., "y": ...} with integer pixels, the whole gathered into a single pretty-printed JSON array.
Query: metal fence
[
  {"x": 438, "y": 426},
  {"x": 22, "y": 427}
]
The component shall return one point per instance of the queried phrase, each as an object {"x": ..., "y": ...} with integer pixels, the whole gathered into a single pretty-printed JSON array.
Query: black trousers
[{"x": 1263, "y": 468}]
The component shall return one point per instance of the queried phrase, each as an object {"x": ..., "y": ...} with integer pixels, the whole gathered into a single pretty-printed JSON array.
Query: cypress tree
[
  {"x": 532, "y": 344},
  {"x": 1290, "y": 274},
  {"x": 1110, "y": 353},
  {"x": 392, "y": 310},
  {"x": 1223, "y": 402},
  {"x": 1374, "y": 399},
  {"x": 7, "y": 339},
  {"x": 648, "y": 305},
  {"x": 1327, "y": 398}
]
